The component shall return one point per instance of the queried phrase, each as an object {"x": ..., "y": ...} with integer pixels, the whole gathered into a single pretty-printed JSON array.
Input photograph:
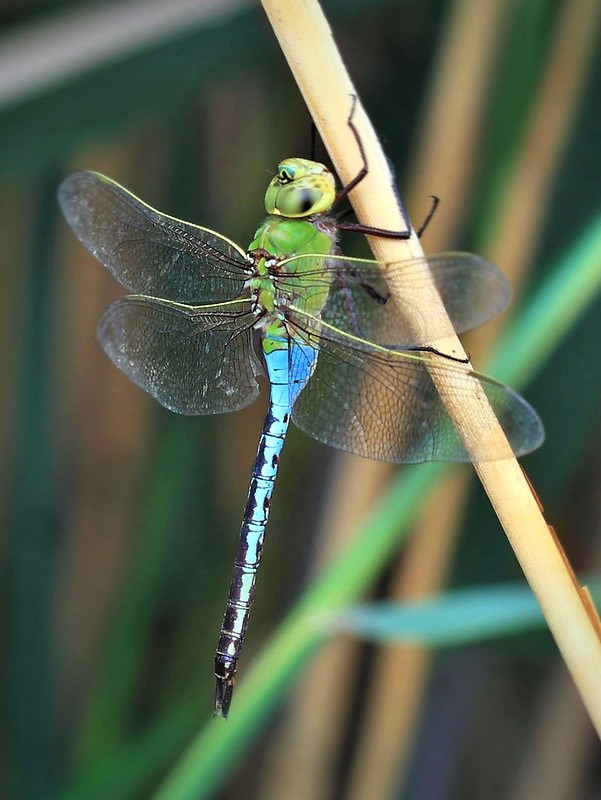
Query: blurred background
[{"x": 119, "y": 519}]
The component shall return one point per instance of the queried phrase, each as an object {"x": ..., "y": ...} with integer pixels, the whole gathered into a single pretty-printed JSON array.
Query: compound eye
[{"x": 285, "y": 176}]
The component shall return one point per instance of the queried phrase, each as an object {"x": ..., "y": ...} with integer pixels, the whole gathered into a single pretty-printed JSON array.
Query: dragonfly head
[{"x": 300, "y": 188}]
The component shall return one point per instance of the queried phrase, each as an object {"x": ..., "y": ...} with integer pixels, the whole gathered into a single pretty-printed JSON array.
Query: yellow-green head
[{"x": 300, "y": 188}]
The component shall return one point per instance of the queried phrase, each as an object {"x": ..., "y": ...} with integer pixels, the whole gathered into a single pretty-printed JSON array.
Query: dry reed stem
[
  {"x": 362, "y": 482},
  {"x": 443, "y": 163},
  {"x": 458, "y": 94},
  {"x": 307, "y": 43}
]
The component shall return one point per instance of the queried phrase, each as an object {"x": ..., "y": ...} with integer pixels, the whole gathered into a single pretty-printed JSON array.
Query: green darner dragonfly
[{"x": 207, "y": 318}]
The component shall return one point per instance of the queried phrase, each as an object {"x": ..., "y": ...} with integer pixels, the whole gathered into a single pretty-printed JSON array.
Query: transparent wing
[
  {"x": 192, "y": 360},
  {"x": 383, "y": 404},
  {"x": 354, "y": 298},
  {"x": 148, "y": 252}
]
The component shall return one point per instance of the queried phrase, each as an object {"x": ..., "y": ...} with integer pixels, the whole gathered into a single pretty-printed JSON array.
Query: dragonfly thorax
[
  {"x": 282, "y": 251},
  {"x": 280, "y": 238},
  {"x": 300, "y": 188}
]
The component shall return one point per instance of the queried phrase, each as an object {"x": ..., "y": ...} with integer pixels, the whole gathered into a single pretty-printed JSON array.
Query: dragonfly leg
[
  {"x": 364, "y": 169},
  {"x": 435, "y": 201},
  {"x": 357, "y": 227},
  {"x": 313, "y": 140},
  {"x": 370, "y": 290},
  {"x": 344, "y": 192},
  {"x": 381, "y": 299},
  {"x": 429, "y": 349},
  {"x": 348, "y": 302}
]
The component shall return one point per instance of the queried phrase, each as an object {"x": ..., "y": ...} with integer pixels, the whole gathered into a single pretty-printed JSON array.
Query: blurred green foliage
[{"x": 120, "y": 519}]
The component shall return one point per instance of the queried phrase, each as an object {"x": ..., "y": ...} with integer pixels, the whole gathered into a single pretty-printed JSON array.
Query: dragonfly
[{"x": 206, "y": 318}]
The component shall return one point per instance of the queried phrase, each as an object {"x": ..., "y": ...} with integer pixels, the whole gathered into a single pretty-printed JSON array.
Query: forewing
[
  {"x": 383, "y": 404},
  {"x": 354, "y": 295},
  {"x": 192, "y": 360},
  {"x": 148, "y": 252}
]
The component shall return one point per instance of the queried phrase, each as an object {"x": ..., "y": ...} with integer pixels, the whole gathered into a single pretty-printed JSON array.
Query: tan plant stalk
[
  {"x": 443, "y": 162},
  {"x": 444, "y": 165},
  {"x": 307, "y": 43}
]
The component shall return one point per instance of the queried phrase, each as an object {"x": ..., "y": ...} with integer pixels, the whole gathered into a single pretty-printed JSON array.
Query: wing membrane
[
  {"x": 148, "y": 252},
  {"x": 383, "y": 404},
  {"x": 354, "y": 293},
  {"x": 193, "y": 360}
]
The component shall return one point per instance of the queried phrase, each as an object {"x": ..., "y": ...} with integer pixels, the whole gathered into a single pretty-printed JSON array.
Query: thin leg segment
[{"x": 357, "y": 227}]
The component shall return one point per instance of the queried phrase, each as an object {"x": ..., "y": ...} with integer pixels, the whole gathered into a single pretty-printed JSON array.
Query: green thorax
[
  {"x": 297, "y": 201},
  {"x": 282, "y": 237}
]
